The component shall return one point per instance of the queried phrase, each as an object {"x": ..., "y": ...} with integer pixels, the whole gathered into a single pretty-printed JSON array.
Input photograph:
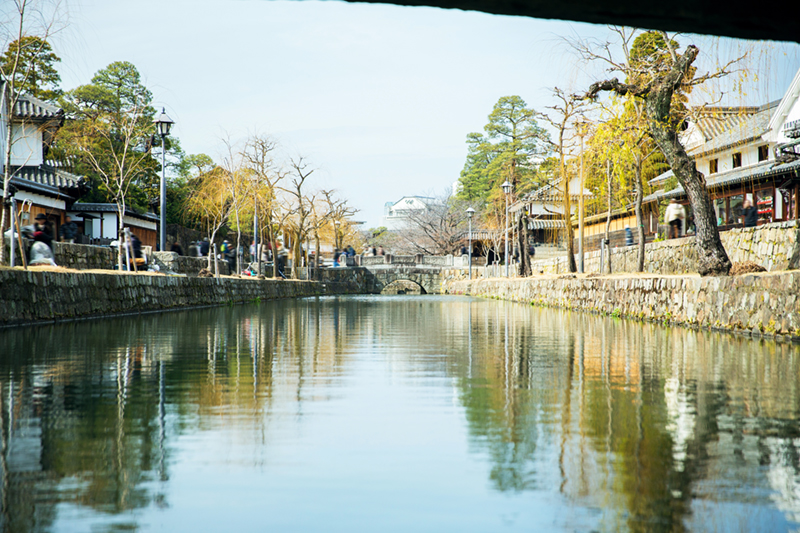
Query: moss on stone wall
[{"x": 764, "y": 304}]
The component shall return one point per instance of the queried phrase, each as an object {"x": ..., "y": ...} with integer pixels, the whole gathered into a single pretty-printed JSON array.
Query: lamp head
[
  {"x": 163, "y": 123},
  {"x": 470, "y": 212},
  {"x": 506, "y": 187}
]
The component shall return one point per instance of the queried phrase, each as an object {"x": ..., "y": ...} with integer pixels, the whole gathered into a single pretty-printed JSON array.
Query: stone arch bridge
[{"x": 377, "y": 273}]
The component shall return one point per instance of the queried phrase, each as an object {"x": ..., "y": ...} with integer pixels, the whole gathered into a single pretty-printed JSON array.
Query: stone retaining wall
[
  {"x": 35, "y": 296},
  {"x": 185, "y": 264},
  {"x": 773, "y": 246},
  {"x": 84, "y": 256},
  {"x": 756, "y": 304}
]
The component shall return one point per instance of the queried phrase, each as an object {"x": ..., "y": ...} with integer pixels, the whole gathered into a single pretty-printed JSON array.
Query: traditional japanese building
[{"x": 37, "y": 186}]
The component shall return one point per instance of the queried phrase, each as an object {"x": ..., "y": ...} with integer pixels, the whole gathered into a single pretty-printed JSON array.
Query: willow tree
[
  {"x": 210, "y": 202},
  {"x": 659, "y": 75}
]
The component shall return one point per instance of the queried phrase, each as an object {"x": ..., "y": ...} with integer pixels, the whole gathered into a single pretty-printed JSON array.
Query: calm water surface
[{"x": 395, "y": 414}]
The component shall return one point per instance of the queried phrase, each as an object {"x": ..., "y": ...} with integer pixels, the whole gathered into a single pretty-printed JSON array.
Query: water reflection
[{"x": 568, "y": 421}]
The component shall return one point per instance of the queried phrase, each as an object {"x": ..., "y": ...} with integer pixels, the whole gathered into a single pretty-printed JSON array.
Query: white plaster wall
[
  {"x": 794, "y": 114},
  {"x": 26, "y": 145},
  {"x": 109, "y": 226},
  {"x": 749, "y": 157},
  {"x": 38, "y": 199}
]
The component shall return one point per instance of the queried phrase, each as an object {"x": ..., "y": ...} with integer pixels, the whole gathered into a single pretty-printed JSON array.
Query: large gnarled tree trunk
[{"x": 657, "y": 95}]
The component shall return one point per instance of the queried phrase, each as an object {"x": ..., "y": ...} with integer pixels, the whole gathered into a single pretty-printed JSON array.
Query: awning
[{"x": 546, "y": 224}]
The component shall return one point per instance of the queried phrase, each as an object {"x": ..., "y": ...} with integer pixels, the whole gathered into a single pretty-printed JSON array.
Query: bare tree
[
  {"x": 259, "y": 158},
  {"x": 299, "y": 208},
  {"x": 337, "y": 213},
  {"x": 26, "y": 17},
  {"x": 564, "y": 118},
  {"x": 437, "y": 229}
]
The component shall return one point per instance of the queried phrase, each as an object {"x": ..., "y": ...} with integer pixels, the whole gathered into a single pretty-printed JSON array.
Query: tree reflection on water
[
  {"x": 650, "y": 423},
  {"x": 652, "y": 428}
]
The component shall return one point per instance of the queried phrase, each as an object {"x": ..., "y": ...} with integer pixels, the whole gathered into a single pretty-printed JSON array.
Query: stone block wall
[
  {"x": 84, "y": 256},
  {"x": 765, "y": 304},
  {"x": 773, "y": 246},
  {"x": 33, "y": 296},
  {"x": 187, "y": 265}
]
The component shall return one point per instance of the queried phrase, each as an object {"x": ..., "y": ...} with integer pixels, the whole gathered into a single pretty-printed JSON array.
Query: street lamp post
[
  {"x": 470, "y": 214},
  {"x": 581, "y": 132},
  {"x": 507, "y": 190},
  {"x": 163, "y": 124}
]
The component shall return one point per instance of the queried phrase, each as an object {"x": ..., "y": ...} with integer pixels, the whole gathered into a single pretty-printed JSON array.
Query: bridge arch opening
[{"x": 403, "y": 286}]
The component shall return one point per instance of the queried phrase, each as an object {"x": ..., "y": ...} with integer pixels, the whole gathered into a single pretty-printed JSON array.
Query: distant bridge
[{"x": 427, "y": 271}]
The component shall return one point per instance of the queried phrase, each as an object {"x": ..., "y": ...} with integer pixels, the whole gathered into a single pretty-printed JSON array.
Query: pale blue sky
[{"x": 379, "y": 98}]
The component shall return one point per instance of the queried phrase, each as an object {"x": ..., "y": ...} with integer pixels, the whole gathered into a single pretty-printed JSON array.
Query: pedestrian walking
[
  {"x": 675, "y": 214},
  {"x": 68, "y": 231},
  {"x": 749, "y": 214}
]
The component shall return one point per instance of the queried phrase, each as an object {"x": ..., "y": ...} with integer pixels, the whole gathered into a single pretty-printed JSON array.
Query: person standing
[
  {"x": 675, "y": 215},
  {"x": 204, "y": 247},
  {"x": 69, "y": 231},
  {"x": 749, "y": 214}
]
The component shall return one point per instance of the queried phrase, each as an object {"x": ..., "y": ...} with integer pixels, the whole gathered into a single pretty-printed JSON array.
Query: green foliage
[
  {"x": 31, "y": 63},
  {"x": 108, "y": 137},
  {"x": 509, "y": 150},
  {"x": 649, "y": 59},
  {"x": 620, "y": 138}
]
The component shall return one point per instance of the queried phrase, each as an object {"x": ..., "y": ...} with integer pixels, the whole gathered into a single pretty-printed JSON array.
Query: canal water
[{"x": 395, "y": 413}]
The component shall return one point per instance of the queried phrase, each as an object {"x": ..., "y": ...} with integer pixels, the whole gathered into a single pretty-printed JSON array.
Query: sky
[{"x": 379, "y": 99}]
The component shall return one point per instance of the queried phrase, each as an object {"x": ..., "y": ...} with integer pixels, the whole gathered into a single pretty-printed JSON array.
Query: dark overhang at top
[{"x": 714, "y": 17}]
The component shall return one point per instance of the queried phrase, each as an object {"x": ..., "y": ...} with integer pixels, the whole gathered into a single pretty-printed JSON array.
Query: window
[
  {"x": 765, "y": 203},
  {"x": 735, "y": 212},
  {"x": 713, "y": 166},
  {"x": 737, "y": 159},
  {"x": 720, "y": 211},
  {"x": 763, "y": 153}
]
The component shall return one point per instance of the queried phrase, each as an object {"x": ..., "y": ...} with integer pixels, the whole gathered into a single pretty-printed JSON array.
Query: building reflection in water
[{"x": 650, "y": 428}]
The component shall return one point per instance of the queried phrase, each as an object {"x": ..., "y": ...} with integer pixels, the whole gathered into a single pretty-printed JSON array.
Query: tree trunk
[
  {"x": 6, "y": 175},
  {"x": 570, "y": 234},
  {"x": 608, "y": 216},
  {"x": 711, "y": 256},
  {"x": 638, "y": 210},
  {"x": 522, "y": 245}
]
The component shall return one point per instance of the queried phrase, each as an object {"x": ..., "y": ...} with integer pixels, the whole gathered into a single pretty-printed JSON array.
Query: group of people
[
  {"x": 675, "y": 217},
  {"x": 340, "y": 256},
  {"x": 199, "y": 248}
]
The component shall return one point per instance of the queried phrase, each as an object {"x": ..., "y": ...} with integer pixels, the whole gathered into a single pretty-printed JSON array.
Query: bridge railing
[{"x": 413, "y": 260}]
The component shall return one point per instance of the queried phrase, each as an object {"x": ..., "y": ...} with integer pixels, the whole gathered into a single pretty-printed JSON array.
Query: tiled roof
[
  {"x": 29, "y": 107},
  {"x": 110, "y": 208},
  {"x": 47, "y": 176},
  {"x": 730, "y": 130}
]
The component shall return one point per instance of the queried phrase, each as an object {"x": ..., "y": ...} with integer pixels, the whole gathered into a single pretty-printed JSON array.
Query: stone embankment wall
[
  {"x": 773, "y": 246},
  {"x": 763, "y": 304},
  {"x": 34, "y": 296}
]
